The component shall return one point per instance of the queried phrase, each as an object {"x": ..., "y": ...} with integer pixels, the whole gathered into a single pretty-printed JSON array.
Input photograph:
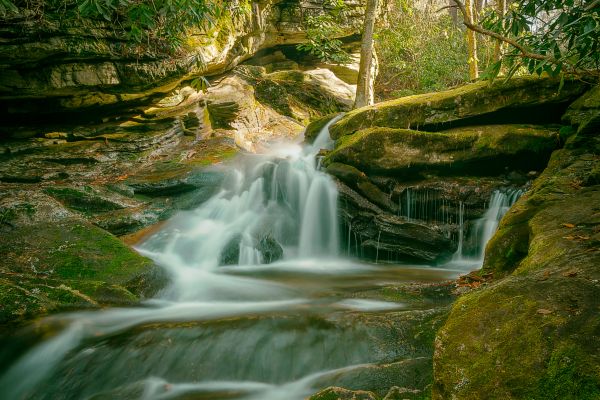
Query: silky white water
[
  {"x": 484, "y": 228},
  {"x": 246, "y": 329}
]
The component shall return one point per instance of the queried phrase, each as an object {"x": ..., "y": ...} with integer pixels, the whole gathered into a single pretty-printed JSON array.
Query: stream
[{"x": 246, "y": 329}]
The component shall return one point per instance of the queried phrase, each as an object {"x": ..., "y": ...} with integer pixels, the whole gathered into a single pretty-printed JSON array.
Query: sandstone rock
[
  {"x": 522, "y": 100},
  {"x": 478, "y": 150}
]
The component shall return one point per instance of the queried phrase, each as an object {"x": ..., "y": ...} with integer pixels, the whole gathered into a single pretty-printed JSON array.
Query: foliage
[
  {"x": 419, "y": 51},
  {"x": 554, "y": 36},
  {"x": 322, "y": 31},
  {"x": 158, "y": 22}
]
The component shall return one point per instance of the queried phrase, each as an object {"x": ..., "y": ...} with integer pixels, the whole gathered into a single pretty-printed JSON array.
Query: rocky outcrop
[
  {"x": 51, "y": 67},
  {"x": 474, "y": 150},
  {"x": 532, "y": 332},
  {"x": 402, "y": 181},
  {"x": 522, "y": 100}
]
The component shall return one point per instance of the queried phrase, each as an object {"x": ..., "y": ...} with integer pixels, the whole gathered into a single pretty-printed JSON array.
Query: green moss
[
  {"x": 315, "y": 127},
  {"x": 85, "y": 201},
  {"x": 67, "y": 264},
  {"x": 568, "y": 375},
  {"x": 467, "y": 101},
  {"x": 477, "y": 150},
  {"x": 533, "y": 334}
]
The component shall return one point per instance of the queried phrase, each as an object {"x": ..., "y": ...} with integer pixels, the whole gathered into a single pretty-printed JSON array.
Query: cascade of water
[
  {"x": 485, "y": 227},
  {"x": 281, "y": 195}
]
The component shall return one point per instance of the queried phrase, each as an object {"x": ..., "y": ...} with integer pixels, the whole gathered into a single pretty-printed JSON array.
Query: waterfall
[
  {"x": 281, "y": 196},
  {"x": 485, "y": 227}
]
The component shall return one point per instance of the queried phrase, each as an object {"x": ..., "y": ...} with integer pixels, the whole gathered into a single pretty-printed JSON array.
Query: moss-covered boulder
[
  {"x": 535, "y": 333},
  {"x": 337, "y": 393},
  {"x": 476, "y": 150},
  {"x": 65, "y": 264},
  {"x": 584, "y": 113},
  {"x": 314, "y": 128},
  {"x": 529, "y": 100}
]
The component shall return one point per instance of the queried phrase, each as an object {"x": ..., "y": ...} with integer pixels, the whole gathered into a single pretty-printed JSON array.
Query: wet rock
[
  {"x": 360, "y": 182},
  {"x": 338, "y": 393},
  {"x": 86, "y": 200},
  {"x": 522, "y": 100},
  {"x": 230, "y": 255},
  {"x": 270, "y": 250},
  {"x": 382, "y": 236}
]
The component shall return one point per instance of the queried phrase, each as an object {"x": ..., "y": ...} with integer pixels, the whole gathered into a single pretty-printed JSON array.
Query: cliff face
[{"x": 51, "y": 68}]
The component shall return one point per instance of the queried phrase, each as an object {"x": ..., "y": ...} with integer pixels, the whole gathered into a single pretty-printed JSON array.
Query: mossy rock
[
  {"x": 533, "y": 334},
  {"x": 338, "y": 393},
  {"x": 315, "y": 127},
  {"x": 49, "y": 266},
  {"x": 584, "y": 113},
  {"x": 521, "y": 99},
  {"x": 478, "y": 150},
  {"x": 85, "y": 200}
]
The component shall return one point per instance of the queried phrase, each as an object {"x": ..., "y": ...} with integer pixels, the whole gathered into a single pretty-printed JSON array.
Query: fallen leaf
[
  {"x": 570, "y": 274},
  {"x": 567, "y": 225},
  {"x": 569, "y": 237},
  {"x": 544, "y": 311}
]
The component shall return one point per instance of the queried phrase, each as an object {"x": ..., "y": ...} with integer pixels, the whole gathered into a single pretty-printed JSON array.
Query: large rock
[
  {"x": 584, "y": 113},
  {"x": 375, "y": 234},
  {"x": 52, "y": 66},
  {"x": 475, "y": 150},
  {"x": 529, "y": 100},
  {"x": 534, "y": 333}
]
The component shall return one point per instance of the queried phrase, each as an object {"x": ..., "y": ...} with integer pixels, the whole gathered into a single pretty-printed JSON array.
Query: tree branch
[{"x": 524, "y": 52}]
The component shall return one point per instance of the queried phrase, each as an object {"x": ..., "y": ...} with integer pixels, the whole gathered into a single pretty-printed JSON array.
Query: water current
[{"x": 241, "y": 329}]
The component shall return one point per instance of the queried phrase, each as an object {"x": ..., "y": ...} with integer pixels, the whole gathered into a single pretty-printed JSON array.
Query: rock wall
[
  {"x": 408, "y": 168},
  {"x": 54, "y": 69},
  {"x": 532, "y": 329}
]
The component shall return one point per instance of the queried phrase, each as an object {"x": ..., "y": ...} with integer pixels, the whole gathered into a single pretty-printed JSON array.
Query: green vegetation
[
  {"x": 322, "y": 31},
  {"x": 161, "y": 24},
  {"x": 419, "y": 51},
  {"x": 546, "y": 36}
]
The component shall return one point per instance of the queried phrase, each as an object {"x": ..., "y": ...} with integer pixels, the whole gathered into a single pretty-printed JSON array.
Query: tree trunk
[
  {"x": 471, "y": 41},
  {"x": 453, "y": 11},
  {"x": 501, "y": 10},
  {"x": 364, "y": 87}
]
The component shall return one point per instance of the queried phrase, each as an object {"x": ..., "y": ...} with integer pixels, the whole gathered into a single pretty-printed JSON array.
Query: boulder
[
  {"x": 534, "y": 332},
  {"x": 475, "y": 150},
  {"x": 521, "y": 100},
  {"x": 584, "y": 113},
  {"x": 378, "y": 235},
  {"x": 338, "y": 393}
]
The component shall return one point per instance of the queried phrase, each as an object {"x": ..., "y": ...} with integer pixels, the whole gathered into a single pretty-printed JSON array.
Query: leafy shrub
[
  {"x": 421, "y": 51},
  {"x": 156, "y": 22}
]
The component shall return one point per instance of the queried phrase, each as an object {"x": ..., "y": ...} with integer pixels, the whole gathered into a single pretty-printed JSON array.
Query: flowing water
[{"x": 229, "y": 325}]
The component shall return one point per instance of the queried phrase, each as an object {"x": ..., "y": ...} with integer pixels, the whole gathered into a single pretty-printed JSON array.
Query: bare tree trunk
[
  {"x": 364, "y": 87},
  {"x": 471, "y": 41},
  {"x": 501, "y": 10}
]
